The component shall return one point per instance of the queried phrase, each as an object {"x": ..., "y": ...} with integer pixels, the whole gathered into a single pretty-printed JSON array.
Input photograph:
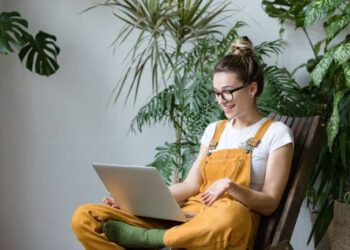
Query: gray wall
[{"x": 52, "y": 129}]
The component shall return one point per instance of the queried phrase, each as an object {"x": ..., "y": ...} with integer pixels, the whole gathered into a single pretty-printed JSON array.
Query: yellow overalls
[{"x": 227, "y": 224}]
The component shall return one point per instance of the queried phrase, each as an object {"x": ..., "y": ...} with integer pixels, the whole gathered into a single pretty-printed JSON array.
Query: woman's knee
[
  {"x": 80, "y": 216},
  {"x": 235, "y": 216}
]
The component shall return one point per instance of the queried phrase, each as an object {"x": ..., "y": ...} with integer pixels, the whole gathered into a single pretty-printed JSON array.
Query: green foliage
[
  {"x": 330, "y": 89},
  {"x": 336, "y": 24},
  {"x": 12, "y": 31},
  {"x": 318, "y": 9},
  {"x": 286, "y": 10},
  {"x": 333, "y": 123},
  {"x": 163, "y": 28},
  {"x": 41, "y": 52},
  {"x": 282, "y": 95},
  {"x": 321, "y": 69},
  {"x": 346, "y": 68}
]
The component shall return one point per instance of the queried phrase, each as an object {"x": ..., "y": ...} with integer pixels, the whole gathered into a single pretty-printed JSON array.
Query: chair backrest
[{"x": 308, "y": 133}]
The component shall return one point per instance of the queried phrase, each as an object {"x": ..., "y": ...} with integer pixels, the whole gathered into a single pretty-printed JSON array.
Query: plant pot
[
  {"x": 339, "y": 229},
  {"x": 324, "y": 243}
]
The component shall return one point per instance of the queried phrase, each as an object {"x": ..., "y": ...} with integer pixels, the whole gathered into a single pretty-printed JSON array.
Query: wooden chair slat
[
  {"x": 295, "y": 124},
  {"x": 271, "y": 115},
  {"x": 298, "y": 131},
  {"x": 308, "y": 158},
  {"x": 277, "y": 117},
  {"x": 284, "y": 118},
  {"x": 289, "y": 121}
]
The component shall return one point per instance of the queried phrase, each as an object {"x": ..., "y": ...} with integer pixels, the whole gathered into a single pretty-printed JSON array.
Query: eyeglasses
[{"x": 227, "y": 95}]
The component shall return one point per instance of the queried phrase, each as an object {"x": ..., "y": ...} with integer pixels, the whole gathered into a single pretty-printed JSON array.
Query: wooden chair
[{"x": 276, "y": 230}]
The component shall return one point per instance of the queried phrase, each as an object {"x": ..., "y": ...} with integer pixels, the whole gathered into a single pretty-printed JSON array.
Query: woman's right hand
[{"x": 111, "y": 202}]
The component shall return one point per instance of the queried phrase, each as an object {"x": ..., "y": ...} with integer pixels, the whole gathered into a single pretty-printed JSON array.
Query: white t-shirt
[{"x": 276, "y": 136}]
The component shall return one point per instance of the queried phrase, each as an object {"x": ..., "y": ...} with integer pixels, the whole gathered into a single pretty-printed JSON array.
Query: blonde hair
[{"x": 242, "y": 47}]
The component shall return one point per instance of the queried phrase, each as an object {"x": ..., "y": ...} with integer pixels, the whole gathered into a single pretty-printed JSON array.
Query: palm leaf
[
  {"x": 281, "y": 94},
  {"x": 161, "y": 23},
  {"x": 267, "y": 48}
]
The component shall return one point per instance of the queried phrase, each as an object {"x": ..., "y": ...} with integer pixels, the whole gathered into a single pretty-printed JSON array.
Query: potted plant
[{"x": 329, "y": 89}]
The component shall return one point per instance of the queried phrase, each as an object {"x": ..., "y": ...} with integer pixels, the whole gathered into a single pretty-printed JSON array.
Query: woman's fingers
[
  {"x": 115, "y": 206},
  {"x": 206, "y": 199},
  {"x": 204, "y": 195},
  {"x": 212, "y": 200},
  {"x": 107, "y": 201},
  {"x": 110, "y": 202}
]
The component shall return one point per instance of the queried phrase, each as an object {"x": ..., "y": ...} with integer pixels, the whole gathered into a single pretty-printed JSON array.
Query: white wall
[{"x": 52, "y": 129}]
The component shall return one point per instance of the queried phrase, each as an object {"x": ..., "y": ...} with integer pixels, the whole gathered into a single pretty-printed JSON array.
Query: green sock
[{"x": 126, "y": 235}]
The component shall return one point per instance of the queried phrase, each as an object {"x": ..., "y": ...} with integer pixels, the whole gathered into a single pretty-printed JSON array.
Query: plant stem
[
  {"x": 177, "y": 125},
  {"x": 308, "y": 38},
  {"x": 178, "y": 159}
]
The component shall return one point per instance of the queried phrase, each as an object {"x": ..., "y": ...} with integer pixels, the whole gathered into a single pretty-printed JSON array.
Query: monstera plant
[
  {"x": 39, "y": 52},
  {"x": 329, "y": 89}
]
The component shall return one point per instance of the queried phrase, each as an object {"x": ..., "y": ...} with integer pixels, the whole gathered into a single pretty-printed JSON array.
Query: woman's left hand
[{"x": 216, "y": 189}]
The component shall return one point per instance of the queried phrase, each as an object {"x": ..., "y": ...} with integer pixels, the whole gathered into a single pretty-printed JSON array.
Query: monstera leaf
[
  {"x": 12, "y": 31},
  {"x": 41, "y": 54}
]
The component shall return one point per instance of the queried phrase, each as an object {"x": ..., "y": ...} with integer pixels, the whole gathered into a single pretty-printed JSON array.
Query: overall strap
[
  {"x": 218, "y": 131},
  {"x": 254, "y": 141}
]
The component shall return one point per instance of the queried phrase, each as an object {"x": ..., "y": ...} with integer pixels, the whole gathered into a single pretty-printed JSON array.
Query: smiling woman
[
  {"x": 239, "y": 70},
  {"x": 240, "y": 173}
]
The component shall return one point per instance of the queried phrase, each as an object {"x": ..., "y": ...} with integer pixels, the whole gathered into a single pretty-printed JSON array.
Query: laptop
[{"x": 140, "y": 191}]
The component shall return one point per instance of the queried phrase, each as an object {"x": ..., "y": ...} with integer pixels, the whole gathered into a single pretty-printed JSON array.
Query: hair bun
[{"x": 243, "y": 47}]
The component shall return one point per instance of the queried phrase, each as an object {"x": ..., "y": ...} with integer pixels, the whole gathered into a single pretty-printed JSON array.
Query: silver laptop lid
[{"x": 140, "y": 191}]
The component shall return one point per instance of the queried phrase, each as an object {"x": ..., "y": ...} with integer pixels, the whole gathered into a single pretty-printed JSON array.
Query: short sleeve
[
  {"x": 282, "y": 135},
  {"x": 208, "y": 134}
]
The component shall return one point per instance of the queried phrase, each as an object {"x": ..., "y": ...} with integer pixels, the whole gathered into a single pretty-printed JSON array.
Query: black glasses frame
[{"x": 231, "y": 91}]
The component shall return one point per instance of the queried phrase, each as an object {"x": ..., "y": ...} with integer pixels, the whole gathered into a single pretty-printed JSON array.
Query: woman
[{"x": 241, "y": 171}]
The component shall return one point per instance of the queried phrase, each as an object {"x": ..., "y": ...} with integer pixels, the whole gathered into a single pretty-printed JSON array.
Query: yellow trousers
[{"x": 225, "y": 225}]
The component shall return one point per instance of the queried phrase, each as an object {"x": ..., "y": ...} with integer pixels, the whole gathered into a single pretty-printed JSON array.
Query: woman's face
[{"x": 242, "y": 99}]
